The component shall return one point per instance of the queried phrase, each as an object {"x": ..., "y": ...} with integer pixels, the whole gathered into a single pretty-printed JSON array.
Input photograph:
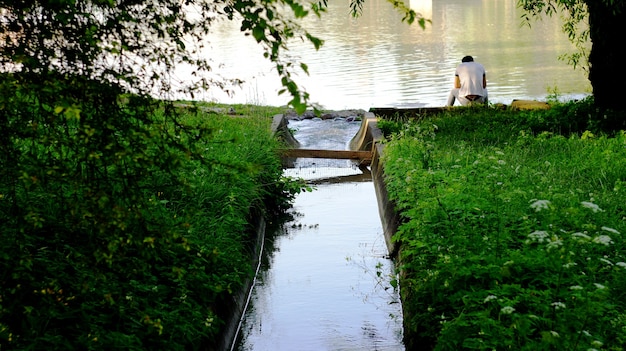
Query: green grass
[
  {"x": 127, "y": 226},
  {"x": 512, "y": 230}
]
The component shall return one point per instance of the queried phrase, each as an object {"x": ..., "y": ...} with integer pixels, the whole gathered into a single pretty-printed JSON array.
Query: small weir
[{"x": 326, "y": 282}]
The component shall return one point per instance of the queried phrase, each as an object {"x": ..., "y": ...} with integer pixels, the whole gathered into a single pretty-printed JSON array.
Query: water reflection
[
  {"x": 326, "y": 286},
  {"x": 377, "y": 61}
]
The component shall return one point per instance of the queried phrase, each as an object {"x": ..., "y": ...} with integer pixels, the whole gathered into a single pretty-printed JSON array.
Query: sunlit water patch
[{"x": 327, "y": 284}]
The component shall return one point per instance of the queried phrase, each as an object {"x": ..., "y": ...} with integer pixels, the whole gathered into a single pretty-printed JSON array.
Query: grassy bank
[
  {"x": 512, "y": 229},
  {"x": 128, "y": 229}
]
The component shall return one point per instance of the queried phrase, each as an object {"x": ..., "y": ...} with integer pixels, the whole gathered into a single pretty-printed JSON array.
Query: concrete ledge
[
  {"x": 368, "y": 135},
  {"x": 386, "y": 209},
  {"x": 240, "y": 300},
  {"x": 369, "y": 138},
  {"x": 281, "y": 131}
]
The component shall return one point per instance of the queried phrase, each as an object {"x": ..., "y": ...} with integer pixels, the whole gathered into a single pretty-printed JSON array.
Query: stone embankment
[{"x": 348, "y": 115}]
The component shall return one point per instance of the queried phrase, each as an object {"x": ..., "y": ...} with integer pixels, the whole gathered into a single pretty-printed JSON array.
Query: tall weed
[
  {"x": 124, "y": 221},
  {"x": 509, "y": 240}
]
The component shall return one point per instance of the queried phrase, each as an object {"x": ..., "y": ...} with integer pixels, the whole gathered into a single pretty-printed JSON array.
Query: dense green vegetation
[
  {"x": 512, "y": 229},
  {"x": 127, "y": 226}
]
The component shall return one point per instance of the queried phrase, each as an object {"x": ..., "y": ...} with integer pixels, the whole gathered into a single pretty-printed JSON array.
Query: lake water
[{"x": 378, "y": 61}]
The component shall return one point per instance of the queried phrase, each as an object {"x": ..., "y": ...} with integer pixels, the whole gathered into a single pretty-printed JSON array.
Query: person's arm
[{"x": 457, "y": 82}]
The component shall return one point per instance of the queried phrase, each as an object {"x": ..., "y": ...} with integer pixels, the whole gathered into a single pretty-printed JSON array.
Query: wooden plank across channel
[{"x": 363, "y": 156}]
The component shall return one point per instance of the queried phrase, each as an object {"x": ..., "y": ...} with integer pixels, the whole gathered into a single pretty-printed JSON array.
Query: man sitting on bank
[{"x": 470, "y": 83}]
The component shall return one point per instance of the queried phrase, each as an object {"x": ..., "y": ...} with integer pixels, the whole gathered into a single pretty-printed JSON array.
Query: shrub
[
  {"x": 124, "y": 222},
  {"x": 509, "y": 240}
]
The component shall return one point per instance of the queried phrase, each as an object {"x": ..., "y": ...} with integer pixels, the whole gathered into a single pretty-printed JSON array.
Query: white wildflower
[
  {"x": 490, "y": 297},
  {"x": 597, "y": 343},
  {"x": 554, "y": 243},
  {"x": 621, "y": 264},
  {"x": 599, "y": 286},
  {"x": 539, "y": 205},
  {"x": 507, "y": 310},
  {"x": 570, "y": 264},
  {"x": 606, "y": 261},
  {"x": 610, "y": 230},
  {"x": 538, "y": 235},
  {"x": 593, "y": 207},
  {"x": 579, "y": 235},
  {"x": 603, "y": 239},
  {"x": 575, "y": 287},
  {"x": 558, "y": 305}
]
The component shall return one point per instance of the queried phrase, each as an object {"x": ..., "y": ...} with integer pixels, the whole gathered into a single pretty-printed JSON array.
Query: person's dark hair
[{"x": 467, "y": 59}]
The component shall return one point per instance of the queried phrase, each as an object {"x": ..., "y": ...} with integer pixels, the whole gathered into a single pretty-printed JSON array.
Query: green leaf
[{"x": 258, "y": 33}]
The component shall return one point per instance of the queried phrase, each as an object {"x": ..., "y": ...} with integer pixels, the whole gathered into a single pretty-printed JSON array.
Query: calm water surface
[
  {"x": 377, "y": 61},
  {"x": 326, "y": 282},
  {"x": 321, "y": 291}
]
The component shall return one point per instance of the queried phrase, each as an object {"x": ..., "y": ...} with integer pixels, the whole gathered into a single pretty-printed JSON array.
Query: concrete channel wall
[
  {"x": 369, "y": 138},
  {"x": 240, "y": 301}
]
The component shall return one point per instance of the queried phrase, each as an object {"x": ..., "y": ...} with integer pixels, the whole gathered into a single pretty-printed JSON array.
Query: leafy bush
[
  {"x": 124, "y": 222},
  {"x": 509, "y": 240}
]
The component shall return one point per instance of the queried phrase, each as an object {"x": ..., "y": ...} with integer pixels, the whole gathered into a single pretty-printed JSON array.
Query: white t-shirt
[{"x": 471, "y": 76}]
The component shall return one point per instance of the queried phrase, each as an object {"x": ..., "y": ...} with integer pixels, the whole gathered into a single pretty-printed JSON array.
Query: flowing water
[
  {"x": 326, "y": 283},
  {"x": 378, "y": 61}
]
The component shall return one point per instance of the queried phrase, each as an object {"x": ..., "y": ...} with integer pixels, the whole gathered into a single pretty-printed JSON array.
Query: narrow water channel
[{"x": 326, "y": 283}]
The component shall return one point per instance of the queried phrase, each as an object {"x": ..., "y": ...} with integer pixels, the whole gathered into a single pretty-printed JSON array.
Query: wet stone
[{"x": 347, "y": 115}]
